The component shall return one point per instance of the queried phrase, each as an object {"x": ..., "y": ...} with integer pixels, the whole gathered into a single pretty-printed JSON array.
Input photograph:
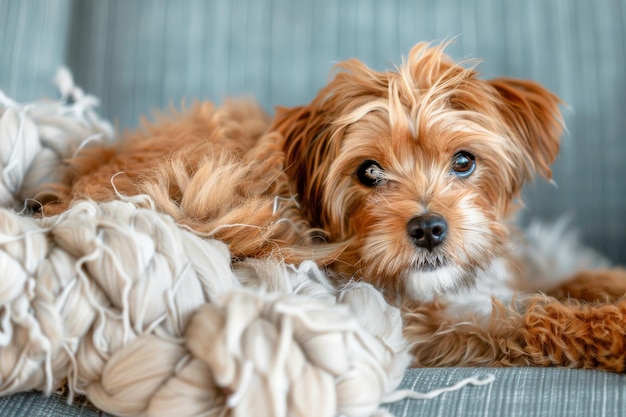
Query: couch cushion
[{"x": 516, "y": 392}]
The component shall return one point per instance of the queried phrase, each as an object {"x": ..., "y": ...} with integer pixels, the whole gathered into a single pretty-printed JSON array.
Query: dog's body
[{"x": 406, "y": 179}]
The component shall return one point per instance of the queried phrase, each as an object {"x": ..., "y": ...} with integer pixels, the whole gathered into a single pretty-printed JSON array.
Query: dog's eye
[
  {"x": 370, "y": 174},
  {"x": 463, "y": 164}
]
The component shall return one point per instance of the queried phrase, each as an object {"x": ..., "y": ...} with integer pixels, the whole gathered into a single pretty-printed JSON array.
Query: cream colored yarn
[
  {"x": 36, "y": 137},
  {"x": 146, "y": 318}
]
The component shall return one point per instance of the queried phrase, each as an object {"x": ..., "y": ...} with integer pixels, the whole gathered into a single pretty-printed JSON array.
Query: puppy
[
  {"x": 406, "y": 179},
  {"x": 418, "y": 170}
]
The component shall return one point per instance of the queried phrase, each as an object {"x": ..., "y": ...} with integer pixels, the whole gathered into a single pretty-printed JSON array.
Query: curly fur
[{"x": 587, "y": 331}]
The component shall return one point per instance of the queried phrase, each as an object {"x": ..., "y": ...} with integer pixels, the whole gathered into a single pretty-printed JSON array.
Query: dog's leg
[
  {"x": 438, "y": 338},
  {"x": 579, "y": 324},
  {"x": 576, "y": 334}
]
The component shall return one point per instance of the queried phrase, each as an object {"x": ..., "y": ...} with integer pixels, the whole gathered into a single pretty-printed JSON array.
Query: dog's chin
[
  {"x": 427, "y": 281},
  {"x": 430, "y": 265}
]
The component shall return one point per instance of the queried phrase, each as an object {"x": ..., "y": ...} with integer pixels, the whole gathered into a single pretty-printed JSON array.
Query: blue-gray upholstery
[
  {"x": 142, "y": 55},
  {"x": 521, "y": 392},
  {"x": 516, "y": 392}
]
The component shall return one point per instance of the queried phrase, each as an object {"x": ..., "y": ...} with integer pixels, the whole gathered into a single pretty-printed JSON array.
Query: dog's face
[{"x": 416, "y": 170}]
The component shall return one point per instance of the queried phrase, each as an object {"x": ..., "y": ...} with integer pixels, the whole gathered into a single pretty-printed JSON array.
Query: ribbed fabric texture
[
  {"x": 33, "y": 45},
  {"x": 516, "y": 392},
  {"x": 35, "y": 404}
]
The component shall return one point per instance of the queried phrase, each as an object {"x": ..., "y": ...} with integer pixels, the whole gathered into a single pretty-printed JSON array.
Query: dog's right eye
[{"x": 370, "y": 174}]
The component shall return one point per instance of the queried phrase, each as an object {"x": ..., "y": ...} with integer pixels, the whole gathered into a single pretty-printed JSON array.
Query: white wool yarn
[
  {"x": 147, "y": 319},
  {"x": 37, "y": 137},
  {"x": 378, "y": 358}
]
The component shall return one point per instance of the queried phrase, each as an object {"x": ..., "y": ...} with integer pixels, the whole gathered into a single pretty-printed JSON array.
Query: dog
[{"x": 407, "y": 179}]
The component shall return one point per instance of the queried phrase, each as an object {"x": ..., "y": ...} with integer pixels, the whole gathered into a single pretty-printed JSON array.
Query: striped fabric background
[
  {"x": 515, "y": 392},
  {"x": 142, "y": 55},
  {"x": 146, "y": 54}
]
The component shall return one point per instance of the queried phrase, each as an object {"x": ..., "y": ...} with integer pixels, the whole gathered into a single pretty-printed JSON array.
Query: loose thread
[{"x": 416, "y": 395}]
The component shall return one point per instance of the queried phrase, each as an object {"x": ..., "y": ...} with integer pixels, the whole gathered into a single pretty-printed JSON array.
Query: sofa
[{"x": 145, "y": 55}]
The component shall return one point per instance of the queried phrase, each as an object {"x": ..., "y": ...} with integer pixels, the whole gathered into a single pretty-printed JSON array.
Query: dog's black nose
[{"x": 427, "y": 231}]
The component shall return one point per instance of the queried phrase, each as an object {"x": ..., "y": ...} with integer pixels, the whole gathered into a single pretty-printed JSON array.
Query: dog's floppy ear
[
  {"x": 309, "y": 151},
  {"x": 532, "y": 113},
  {"x": 312, "y": 134}
]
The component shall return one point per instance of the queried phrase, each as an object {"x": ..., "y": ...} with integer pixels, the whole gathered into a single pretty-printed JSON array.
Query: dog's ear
[
  {"x": 532, "y": 114},
  {"x": 312, "y": 134},
  {"x": 309, "y": 150}
]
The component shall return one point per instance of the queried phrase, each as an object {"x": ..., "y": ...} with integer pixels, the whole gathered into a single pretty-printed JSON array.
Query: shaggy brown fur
[
  {"x": 216, "y": 170},
  {"x": 580, "y": 324},
  {"x": 341, "y": 179}
]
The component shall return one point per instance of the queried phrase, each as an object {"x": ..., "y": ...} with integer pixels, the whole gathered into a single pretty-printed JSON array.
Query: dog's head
[{"x": 417, "y": 169}]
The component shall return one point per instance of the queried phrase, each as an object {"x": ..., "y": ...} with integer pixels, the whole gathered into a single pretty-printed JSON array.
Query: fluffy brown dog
[{"x": 406, "y": 179}]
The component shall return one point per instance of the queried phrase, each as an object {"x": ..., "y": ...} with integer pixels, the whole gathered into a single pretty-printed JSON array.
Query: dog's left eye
[
  {"x": 463, "y": 164},
  {"x": 370, "y": 174}
]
